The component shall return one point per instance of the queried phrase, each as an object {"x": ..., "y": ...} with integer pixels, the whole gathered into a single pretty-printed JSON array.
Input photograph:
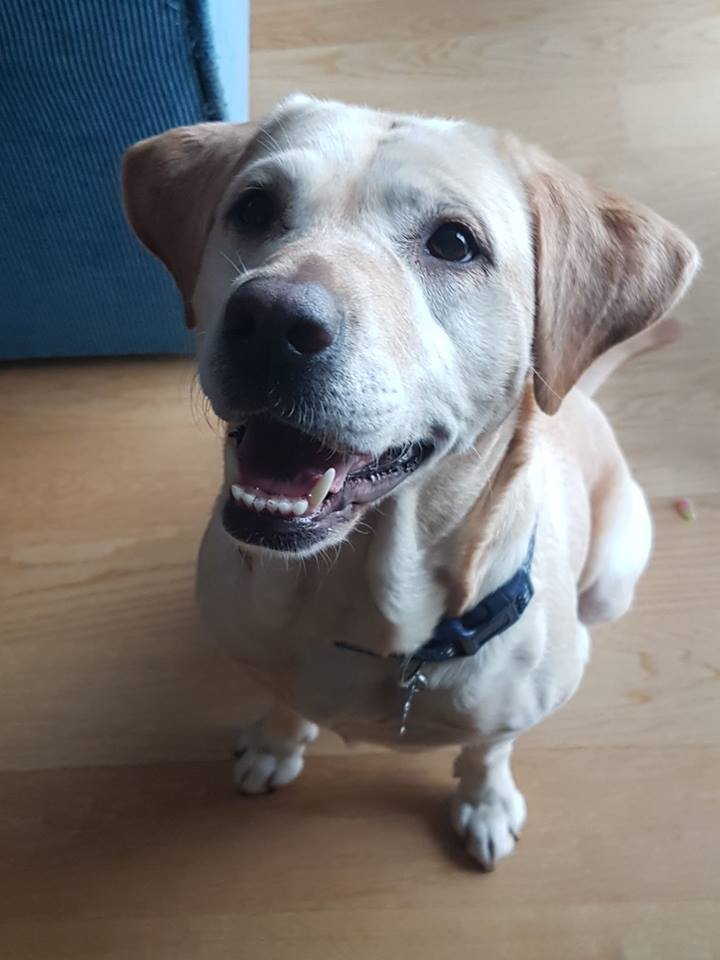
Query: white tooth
[
  {"x": 247, "y": 498},
  {"x": 271, "y": 505},
  {"x": 299, "y": 507},
  {"x": 321, "y": 488},
  {"x": 284, "y": 507},
  {"x": 237, "y": 491},
  {"x": 259, "y": 504}
]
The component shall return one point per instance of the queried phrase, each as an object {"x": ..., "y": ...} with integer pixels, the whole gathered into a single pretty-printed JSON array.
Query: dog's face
[
  {"x": 350, "y": 298},
  {"x": 369, "y": 295}
]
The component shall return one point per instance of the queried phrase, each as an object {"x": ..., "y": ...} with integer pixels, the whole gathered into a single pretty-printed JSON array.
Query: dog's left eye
[
  {"x": 453, "y": 241},
  {"x": 255, "y": 210}
]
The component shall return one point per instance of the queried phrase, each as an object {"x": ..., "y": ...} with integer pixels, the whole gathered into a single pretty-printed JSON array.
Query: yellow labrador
[{"x": 393, "y": 313}]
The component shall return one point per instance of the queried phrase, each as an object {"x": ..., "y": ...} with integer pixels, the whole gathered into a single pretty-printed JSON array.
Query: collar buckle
[{"x": 453, "y": 636}]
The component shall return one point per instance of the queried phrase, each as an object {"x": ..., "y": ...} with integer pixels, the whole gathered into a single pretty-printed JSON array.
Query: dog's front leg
[
  {"x": 488, "y": 810},
  {"x": 271, "y": 753}
]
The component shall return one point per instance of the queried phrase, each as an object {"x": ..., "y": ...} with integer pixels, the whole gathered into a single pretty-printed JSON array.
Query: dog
[{"x": 400, "y": 321}]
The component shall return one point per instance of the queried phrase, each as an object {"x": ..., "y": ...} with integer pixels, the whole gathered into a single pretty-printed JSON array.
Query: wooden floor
[{"x": 120, "y": 836}]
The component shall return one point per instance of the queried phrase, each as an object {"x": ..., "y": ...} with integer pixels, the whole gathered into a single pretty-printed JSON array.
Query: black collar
[{"x": 463, "y": 636}]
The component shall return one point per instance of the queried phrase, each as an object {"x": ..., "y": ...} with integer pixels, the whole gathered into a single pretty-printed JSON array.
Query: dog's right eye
[
  {"x": 453, "y": 241},
  {"x": 254, "y": 211}
]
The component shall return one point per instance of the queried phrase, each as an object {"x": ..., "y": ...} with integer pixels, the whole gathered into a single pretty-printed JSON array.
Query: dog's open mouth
[{"x": 291, "y": 489}]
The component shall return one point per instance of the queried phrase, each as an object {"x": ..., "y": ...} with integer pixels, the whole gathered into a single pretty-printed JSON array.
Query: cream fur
[{"x": 480, "y": 358}]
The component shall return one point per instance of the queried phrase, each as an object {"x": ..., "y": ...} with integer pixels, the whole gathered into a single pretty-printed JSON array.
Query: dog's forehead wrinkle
[
  {"x": 345, "y": 142},
  {"x": 342, "y": 132}
]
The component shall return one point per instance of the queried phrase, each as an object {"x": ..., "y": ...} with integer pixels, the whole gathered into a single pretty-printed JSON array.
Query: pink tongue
[{"x": 279, "y": 459}]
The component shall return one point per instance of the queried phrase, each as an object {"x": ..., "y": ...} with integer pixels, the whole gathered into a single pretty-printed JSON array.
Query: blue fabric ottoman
[{"x": 80, "y": 80}]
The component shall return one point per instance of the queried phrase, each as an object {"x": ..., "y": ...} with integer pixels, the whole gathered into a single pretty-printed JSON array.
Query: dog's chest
[{"x": 295, "y": 631}]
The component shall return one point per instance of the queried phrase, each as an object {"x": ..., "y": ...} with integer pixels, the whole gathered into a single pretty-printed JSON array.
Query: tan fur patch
[
  {"x": 606, "y": 269},
  {"x": 172, "y": 184},
  {"x": 483, "y": 523}
]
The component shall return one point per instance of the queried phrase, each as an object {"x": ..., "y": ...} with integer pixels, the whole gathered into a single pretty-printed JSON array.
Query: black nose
[{"x": 274, "y": 322}]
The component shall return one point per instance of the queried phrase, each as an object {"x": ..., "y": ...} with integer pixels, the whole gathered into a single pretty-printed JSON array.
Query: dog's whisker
[
  {"x": 544, "y": 382},
  {"x": 263, "y": 132},
  {"x": 283, "y": 131},
  {"x": 241, "y": 271},
  {"x": 200, "y": 404},
  {"x": 241, "y": 262}
]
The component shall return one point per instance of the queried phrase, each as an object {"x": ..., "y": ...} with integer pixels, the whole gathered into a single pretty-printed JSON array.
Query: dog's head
[{"x": 372, "y": 292}]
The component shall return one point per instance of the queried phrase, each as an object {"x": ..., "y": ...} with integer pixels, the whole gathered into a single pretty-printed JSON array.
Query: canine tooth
[
  {"x": 271, "y": 505},
  {"x": 259, "y": 503},
  {"x": 321, "y": 488},
  {"x": 237, "y": 491},
  {"x": 247, "y": 498},
  {"x": 299, "y": 507},
  {"x": 284, "y": 507}
]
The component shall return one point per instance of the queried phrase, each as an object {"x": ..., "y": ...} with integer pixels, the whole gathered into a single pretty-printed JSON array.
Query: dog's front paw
[
  {"x": 264, "y": 762},
  {"x": 257, "y": 771},
  {"x": 491, "y": 827}
]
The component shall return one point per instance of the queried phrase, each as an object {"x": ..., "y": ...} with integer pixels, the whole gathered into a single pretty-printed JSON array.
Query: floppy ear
[
  {"x": 605, "y": 269},
  {"x": 172, "y": 184}
]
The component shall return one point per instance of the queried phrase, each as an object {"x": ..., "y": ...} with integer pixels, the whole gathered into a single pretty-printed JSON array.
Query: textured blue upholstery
[{"x": 80, "y": 80}]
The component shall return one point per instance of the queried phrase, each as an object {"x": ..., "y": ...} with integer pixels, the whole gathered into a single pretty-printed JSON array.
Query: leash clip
[{"x": 412, "y": 683}]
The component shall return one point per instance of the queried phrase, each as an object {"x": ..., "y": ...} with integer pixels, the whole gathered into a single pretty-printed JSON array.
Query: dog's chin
[{"x": 291, "y": 493}]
